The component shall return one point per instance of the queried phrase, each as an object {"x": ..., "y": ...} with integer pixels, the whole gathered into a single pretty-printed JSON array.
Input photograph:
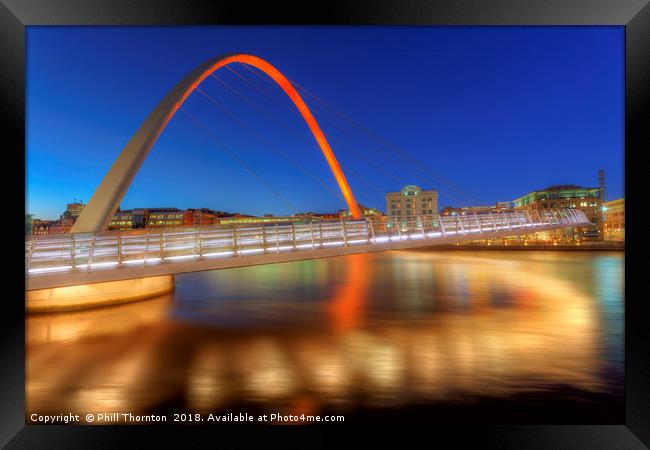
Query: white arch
[{"x": 109, "y": 194}]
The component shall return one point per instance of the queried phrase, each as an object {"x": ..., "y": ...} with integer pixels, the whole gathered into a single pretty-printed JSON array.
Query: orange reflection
[{"x": 347, "y": 305}]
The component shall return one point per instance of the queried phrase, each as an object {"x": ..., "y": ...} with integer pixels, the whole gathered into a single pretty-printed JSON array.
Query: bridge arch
[{"x": 107, "y": 197}]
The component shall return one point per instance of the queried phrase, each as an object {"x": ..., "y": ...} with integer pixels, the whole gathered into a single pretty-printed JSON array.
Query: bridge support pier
[{"x": 97, "y": 294}]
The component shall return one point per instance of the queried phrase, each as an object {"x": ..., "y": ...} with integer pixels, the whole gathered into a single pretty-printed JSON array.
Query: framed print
[{"x": 238, "y": 217}]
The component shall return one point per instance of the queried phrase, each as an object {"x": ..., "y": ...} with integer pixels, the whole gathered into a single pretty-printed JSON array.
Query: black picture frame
[{"x": 634, "y": 15}]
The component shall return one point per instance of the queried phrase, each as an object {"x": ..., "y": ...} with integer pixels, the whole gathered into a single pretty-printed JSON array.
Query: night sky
[{"x": 494, "y": 111}]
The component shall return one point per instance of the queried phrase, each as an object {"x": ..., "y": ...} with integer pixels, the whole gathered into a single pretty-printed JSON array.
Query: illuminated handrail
[{"x": 86, "y": 252}]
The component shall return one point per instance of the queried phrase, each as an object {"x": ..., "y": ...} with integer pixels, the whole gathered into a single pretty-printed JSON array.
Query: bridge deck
[{"x": 83, "y": 258}]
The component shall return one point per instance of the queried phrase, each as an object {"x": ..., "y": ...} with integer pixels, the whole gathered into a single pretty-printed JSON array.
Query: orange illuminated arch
[{"x": 106, "y": 199}]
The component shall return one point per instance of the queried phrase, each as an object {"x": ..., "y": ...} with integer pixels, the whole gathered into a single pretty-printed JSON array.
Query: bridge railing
[
  {"x": 435, "y": 225},
  {"x": 88, "y": 251},
  {"x": 93, "y": 251}
]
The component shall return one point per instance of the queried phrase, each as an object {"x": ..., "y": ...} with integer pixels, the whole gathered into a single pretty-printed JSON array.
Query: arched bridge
[
  {"x": 82, "y": 258},
  {"x": 109, "y": 194},
  {"x": 90, "y": 254}
]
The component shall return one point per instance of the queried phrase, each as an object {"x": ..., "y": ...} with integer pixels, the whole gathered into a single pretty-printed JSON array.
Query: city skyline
[{"x": 101, "y": 83}]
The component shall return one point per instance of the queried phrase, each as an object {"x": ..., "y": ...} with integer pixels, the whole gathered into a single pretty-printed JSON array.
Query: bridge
[
  {"x": 91, "y": 256},
  {"x": 82, "y": 258}
]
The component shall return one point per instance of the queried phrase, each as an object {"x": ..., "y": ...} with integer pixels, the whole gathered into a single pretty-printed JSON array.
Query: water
[{"x": 454, "y": 336}]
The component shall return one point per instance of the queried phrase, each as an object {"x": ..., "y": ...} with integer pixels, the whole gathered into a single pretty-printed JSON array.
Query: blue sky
[{"x": 496, "y": 111}]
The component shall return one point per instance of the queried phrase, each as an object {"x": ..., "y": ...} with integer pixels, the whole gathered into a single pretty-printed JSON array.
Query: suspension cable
[
  {"x": 382, "y": 141},
  {"x": 447, "y": 185},
  {"x": 449, "y": 191},
  {"x": 252, "y": 103},
  {"x": 223, "y": 148},
  {"x": 292, "y": 130},
  {"x": 328, "y": 135},
  {"x": 246, "y": 80},
  {"x": 268, "y": 143}
]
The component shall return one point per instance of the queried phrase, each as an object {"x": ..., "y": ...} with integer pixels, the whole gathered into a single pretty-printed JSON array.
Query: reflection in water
[{"x": 393, "y": 329}]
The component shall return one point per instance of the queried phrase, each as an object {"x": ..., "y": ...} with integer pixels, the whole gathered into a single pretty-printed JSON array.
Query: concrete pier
[{"x": 97, "y": 294}]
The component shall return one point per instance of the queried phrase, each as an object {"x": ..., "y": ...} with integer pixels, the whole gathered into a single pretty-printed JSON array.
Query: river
[{"x": 453, "y": 336}]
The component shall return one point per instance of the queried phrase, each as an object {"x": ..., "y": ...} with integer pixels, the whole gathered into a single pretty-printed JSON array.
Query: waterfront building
[
  {"x": 317, "y": 215},
  {"x": 411, "y": 201},
  {"x": 122, "y": 220},
  {"x": 200, "y": 217},
  {"x": 164, "y": 218},
  {"x": 138, "y": 218},
  {"x": 62, "y": 225},
  {"x": 587, "y": 199},
  {"x": 243, "y": 219},
  {"x": 40, "y": 226},
  {"x": 614, "y": 220},
  {"x": 465, "y": 210},
  {"x": 365, "y": 210},
  {"x": 74, "y": 209},
  {"x": 131, "y": 219}
]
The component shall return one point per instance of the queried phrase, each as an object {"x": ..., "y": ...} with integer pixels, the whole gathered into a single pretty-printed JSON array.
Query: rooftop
[{"x": 566, "y": 187}]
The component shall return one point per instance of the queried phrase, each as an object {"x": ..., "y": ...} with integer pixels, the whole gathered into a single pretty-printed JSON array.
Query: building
[
  {"x": 320, "y": 215},
  {"x": 122, "y": 220},
  {"x": 243, "y": 219},
  {"x": 138, "y": 218},
  {"x": 62, "y": 225},
  {"x": 614, "y": 212},
  {"x": 164, "y": 218},
  {"x": 567, "y": 196},
  {"x": 411, "y": 201},
  {"x": 200, "y": 217},
  {"x": 465, "y": 210},
  {"x": 366, "y": 211},
  {"x": 129, "y": 219},
  {"x": 154, "y": 218},
  {"x": 74, "y": 209},
  {"x": 40, "y": 226}
]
